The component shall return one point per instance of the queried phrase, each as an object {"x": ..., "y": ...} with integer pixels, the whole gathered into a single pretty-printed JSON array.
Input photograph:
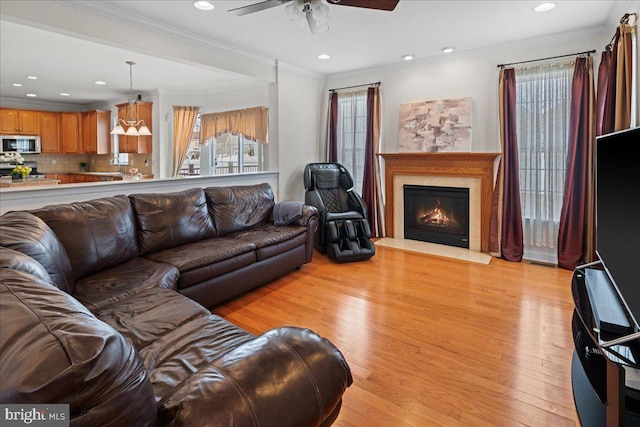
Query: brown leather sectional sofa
[{"x": 90, "y": 315}]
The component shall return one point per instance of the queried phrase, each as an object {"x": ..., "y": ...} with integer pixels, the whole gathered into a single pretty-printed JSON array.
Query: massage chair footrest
[{"x": 348, "y": 240}]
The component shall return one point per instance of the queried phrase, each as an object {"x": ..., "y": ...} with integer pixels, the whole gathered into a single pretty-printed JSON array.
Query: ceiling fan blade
[
  {"x": 388, "y": 5},
  {"x": 257, "y": 7}
]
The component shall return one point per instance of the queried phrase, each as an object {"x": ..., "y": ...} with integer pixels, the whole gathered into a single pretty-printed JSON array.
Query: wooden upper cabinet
[
  {"x": 95, "y": 132},
  {"x": 19, "y": 122},
  {"x": 136, "y": 144},
  {"x": 71, "y": 132},
  {"x": 49, "y": 124}
]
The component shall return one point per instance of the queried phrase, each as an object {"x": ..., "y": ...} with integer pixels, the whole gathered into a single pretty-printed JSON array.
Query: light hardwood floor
[{"x": 433, "y": 341}]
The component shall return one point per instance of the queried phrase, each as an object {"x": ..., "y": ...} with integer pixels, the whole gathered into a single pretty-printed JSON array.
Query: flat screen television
[{"x": 618, "y": 214}]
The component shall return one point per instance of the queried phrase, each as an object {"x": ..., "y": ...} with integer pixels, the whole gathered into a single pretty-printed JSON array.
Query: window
[
  {"x": 543, "y": 98},
  {"x": 221, "y": 155},
  {"x": 352, "y": 130}
]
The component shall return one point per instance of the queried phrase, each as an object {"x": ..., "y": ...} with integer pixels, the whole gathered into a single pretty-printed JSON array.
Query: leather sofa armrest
[
  {"x": 308, "y": 213},
  {"x": 285, "y": 377}
]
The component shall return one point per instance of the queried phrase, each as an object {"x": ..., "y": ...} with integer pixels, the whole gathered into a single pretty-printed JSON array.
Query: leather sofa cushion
[
  {"x": 119, "y": 283},
  {"x": 205, "y": 252},
  {"x": 239, "y": 207},
  {"x": 174, "y": 335},
  {"x": 19, "y": 261},
  {"x": 170, "y": 220},
  {"x": 96, "y": 235},
  {"x": 145, "y": 317},
  {"x": 272, "y": 240},
  {"x": 54, "y": 350},
  {"x": 26, "y": 233}
]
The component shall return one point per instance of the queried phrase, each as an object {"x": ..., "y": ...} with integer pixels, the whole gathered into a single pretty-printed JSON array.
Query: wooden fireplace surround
[{"x": 476, "y": 165}]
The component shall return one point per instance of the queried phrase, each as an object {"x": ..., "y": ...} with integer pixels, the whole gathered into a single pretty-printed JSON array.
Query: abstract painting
[{"x": 435, "y": 126}]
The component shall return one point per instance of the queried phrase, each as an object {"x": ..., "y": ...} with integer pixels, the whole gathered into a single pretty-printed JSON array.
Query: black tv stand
[{"x": 607, "y": 348}]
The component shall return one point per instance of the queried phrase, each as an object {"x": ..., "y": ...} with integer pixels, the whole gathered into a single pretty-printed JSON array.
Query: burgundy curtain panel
[
  {"x": 333, "y": 128},
  {"x": 605, "y": 110},
  {"x": 576, "y": 220},
  {"x": 369, "y": 177},
  {"x": 624, "y": 75},
  {"x": 511, "y": 242}
]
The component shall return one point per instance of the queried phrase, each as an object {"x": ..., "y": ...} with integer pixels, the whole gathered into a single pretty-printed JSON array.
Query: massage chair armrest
[
  {"x": 357, "y": 204},
  {"x": 285, "y": 377}
]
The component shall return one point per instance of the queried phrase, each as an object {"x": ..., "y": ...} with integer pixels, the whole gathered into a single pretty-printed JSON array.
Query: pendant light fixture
[{"x": 131, "y": 126}]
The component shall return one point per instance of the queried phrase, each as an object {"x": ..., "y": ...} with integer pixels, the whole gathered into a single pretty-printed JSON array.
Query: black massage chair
[{"x": 343, "y": 229}]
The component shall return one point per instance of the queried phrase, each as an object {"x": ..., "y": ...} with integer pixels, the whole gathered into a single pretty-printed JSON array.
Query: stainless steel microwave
[{"x": 24, "y": 144}]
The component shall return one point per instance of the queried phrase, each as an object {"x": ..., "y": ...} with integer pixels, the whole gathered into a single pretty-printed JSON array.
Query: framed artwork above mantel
[{"x": 442, "y": 125}]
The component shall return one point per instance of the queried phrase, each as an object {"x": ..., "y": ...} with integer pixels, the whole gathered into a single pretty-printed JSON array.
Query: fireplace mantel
[{"x": 473, "y": 165}]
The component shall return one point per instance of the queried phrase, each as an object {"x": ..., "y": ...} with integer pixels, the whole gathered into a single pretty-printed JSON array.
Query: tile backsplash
[{"x": 67, "y": 163}]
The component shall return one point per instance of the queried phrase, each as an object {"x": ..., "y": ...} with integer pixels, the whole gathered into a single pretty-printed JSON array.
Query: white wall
[
  {"x": 299, "y": 97},
  {"x": 457, "y": 75}
]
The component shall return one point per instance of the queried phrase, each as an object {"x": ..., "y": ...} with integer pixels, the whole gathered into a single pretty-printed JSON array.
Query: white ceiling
[{"x": 357, "y": 38}]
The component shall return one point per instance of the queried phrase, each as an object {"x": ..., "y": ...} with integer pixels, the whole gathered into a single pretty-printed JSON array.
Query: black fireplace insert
[{"x": 437, "y": 215}]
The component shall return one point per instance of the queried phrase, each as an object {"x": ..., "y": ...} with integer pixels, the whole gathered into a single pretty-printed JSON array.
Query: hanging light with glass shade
[{"x": 131, "y": 126}]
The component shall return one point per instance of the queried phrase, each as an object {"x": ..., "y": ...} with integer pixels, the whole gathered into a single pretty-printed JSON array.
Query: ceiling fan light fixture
[
  {"x": 294, "y": 11},
  {"x": 317, "y": 25},
  {"x": 319, "y": 10}
]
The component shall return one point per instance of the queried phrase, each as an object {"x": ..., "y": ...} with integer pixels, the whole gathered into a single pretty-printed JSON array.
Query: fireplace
[{"x": 437, "y": 214}]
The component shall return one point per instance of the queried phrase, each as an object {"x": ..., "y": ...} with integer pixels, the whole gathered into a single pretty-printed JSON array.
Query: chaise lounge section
[{"x": 94, "y": 285}]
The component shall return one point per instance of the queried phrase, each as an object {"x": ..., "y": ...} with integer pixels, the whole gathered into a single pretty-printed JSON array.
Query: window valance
[{"x": 252, "y": 123}]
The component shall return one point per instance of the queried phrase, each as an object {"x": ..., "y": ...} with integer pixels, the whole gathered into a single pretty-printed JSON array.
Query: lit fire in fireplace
[{"x": 437, "y": 217}]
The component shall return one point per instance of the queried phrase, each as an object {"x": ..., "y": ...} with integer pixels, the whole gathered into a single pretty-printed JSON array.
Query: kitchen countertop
[
  {"x": 114, "y": 174},
  {"x": 30, "y": 182}
]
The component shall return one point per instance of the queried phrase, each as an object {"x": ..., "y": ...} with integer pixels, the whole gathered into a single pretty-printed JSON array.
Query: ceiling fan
[{"x": 315, "y": 11}]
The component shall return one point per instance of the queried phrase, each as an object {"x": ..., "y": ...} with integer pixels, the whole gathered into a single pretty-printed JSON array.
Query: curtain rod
[
  {"x": 351, "y": 87},
  {"x": 586, "y": 52},
  {"x": 623, "y": 20}
]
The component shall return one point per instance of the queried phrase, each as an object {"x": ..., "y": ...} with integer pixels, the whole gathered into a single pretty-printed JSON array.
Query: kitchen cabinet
[
  {"x": 18, "y": 122},
  {"x": 135, "y": 144},
  {"x": 62, "y": 178},
  {"x": 71, "y": 132},
  {"x": 49, "y": 124},
  {"x": 95, "y": 132}
]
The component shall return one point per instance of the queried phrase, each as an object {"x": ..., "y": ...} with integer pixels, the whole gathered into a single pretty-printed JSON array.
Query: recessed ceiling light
[
  {"x": 544, "y": 7},
  {"x": 324, "y": 56},
  {"x": 17, "y": 84},
  {"x": 32, "y": 77},
  {"x": 31, "y": 95},
  {"x": 100, "y": 82},
  {"x": 203, "y": 5},
  {"x": 65, "y": 94},
  {"x": 448, "y": 49},
  {"x": 408, "y": 57}
]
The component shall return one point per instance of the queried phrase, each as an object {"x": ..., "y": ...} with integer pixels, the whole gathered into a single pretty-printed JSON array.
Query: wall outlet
[
  {"x": 93, "y": 161},
  {"x": 53, "y": 162}
]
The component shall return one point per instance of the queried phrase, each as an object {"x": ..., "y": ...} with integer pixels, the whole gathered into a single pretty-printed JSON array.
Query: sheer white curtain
[
  {"x": 352, "y": 132},
  {"x": 543, "y": 101}
]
